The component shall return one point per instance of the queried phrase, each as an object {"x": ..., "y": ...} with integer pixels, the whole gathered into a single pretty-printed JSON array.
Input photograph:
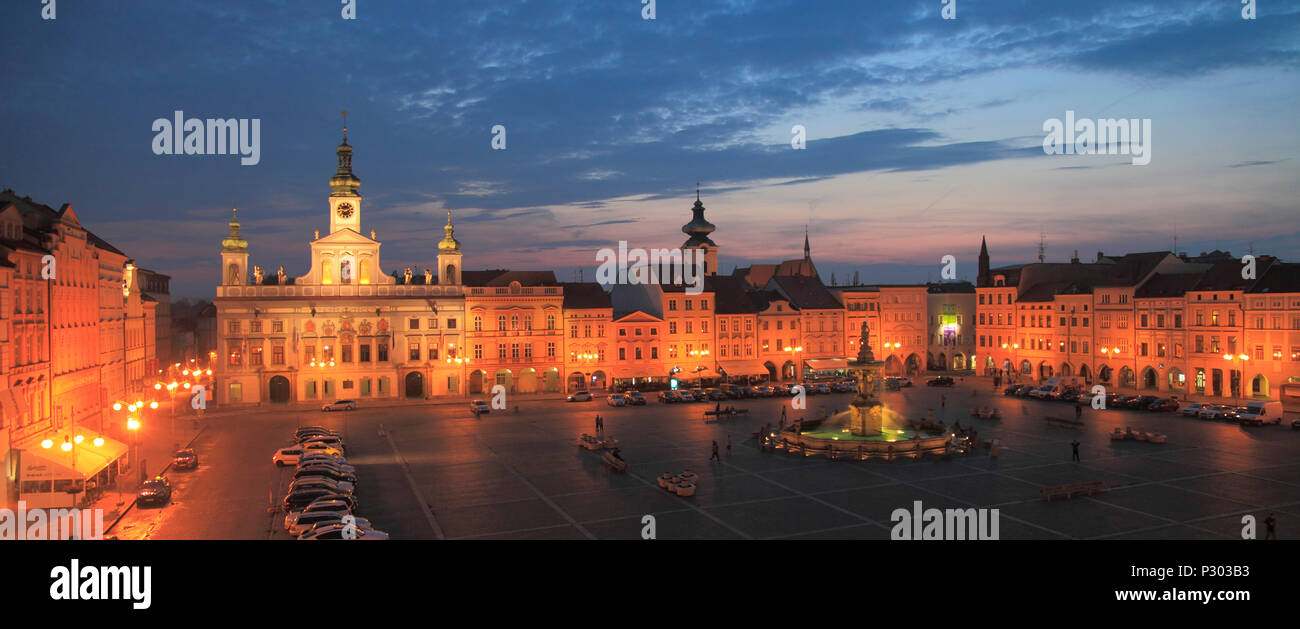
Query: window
[
  {"x": 550, "y": 322},
  {"x": 277, "y": 354},
  {"x": 550, "y": 350},
  {"x": 277, "y": 326},
  {"x": 255, "y": 359},
  {"x": 236, "y": 392},
  {"x": 478, "y": 350},
  {"x": 478, "y": 323},
  {"x": 234, "y": 357},
  {"x": 232, "y": 327},
  {"x": 501, "y": 350},
  {"x": 573, "y": 331},
  {"x": 432, "y": 323},
  {"x": 672, "y": 304},
  {"x": 451, "y": 325},
  {"x": 414, "y": 350},
  {"x": 365, "y": 353},
  {"x": 383, "y": 355},
  {"x": 347, "y": 353},
  {"x": 433, "y": 352},
  {"x": 413, "y": 324},
  {"x": 672, "y": 327},
  {"x": 255, "y": 326},
  {"x": 501, "y": 323},
  {"x": 654, "y": 353},
  {"x": 622, "y": 353}
]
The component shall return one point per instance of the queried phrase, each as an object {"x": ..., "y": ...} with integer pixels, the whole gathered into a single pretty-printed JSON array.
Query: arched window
[
  {"x": 365, "y": 272},
  {"x": 514, "y": 322},
  {"x": 449, "y": 275},
  {"x": 501, "y": 323},
  {"x": 478, "y": 323},
  {"x": 326, "y": 272}
]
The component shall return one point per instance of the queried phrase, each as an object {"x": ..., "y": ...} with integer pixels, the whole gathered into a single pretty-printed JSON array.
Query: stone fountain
[{"x": 866, "y": 412}]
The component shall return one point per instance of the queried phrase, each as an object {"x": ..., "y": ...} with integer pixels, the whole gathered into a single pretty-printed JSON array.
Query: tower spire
[
  {"x": 233, "y": 241},
  {"x": 807, "y": 250}
]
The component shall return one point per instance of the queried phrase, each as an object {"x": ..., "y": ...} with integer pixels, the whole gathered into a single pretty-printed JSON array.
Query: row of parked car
[
  {"x": 1251, "y": 414},
  {"x": 321, "y": 501}
]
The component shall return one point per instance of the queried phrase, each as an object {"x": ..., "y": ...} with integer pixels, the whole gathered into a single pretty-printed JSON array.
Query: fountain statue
[{"x": 866, "y": 411}]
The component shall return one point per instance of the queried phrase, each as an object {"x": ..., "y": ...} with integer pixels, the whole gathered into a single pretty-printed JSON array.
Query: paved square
[{"x": 435, "y": 471}]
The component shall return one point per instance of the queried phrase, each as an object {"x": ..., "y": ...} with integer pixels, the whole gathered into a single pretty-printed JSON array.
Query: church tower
[
  {"x": 983, "y": 278},
  {"x": 234, "y": 254},
  {"x": 698, "y": 230},
  {"x": 345, "y": 203},
  {"x": 449, "y": 256}
]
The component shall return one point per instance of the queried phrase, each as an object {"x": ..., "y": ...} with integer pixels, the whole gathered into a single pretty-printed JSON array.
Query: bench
[
  {"x": 1064, "y": 423},
  {"x": 1072, "y": 490}
]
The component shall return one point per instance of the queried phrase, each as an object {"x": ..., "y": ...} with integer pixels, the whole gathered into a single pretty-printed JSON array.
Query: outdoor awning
[
  {"x": 625, "y": 372},
  {"x": 39, "y": 463},
  {"x": 823, "y": 364},
  {"x": 743, "y": 367},
  {"x": 692, "y": 372}
]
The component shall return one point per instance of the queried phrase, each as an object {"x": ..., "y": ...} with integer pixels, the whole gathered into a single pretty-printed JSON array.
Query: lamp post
[
  {"x": 1239, "y": 390},
  {"x": 795, "y": 351},
  {"x": 1015, "y": 361}
]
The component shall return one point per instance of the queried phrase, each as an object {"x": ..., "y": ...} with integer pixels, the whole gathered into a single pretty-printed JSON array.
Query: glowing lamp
[
  {"x": 47, "y": 444},
  {"x": 99, "y": 442},
  {"x": 132, "y": 424}
]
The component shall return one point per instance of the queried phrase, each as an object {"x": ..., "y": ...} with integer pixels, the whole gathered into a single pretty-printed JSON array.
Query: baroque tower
[{"x": 698, "y": 230}]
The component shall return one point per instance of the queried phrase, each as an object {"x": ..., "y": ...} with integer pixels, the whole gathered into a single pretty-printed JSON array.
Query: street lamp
[
  {"x": 1239, "y": 391},
  {"x": 795, "y": 352},
  {"x": 1015, "y": 360}
]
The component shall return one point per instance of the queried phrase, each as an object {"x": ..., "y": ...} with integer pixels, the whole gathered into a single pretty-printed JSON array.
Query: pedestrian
[
  {"x": 1075, "y": 446},
  {"x": 714, "y": 456},
  {"x": 783, "y": 416},
  {"x": 943, "y": 402},
  {"x": 1078, "y": 410},
  {"x": 1270, "y": 527},
  {"x": 728, "y": 444}
]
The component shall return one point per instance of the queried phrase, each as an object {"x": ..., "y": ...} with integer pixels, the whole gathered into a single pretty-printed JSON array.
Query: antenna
[{"x": 1042, "y": 245}]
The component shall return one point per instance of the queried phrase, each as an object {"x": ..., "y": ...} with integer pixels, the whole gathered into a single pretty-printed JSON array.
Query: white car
[
  {"x": 581, "y": 396},
  {"x": 309, "y": 458},
  {"x": 332, "y": 507},
  {"x": 1192, "y": 410},
  {"x": 340, "y": 405},
  {"x": 479, "y": 406},
  {"x": 287, "y": 456},
  {"x": 616, "y": 399},
  {"x": 338, "y": 531},
  {"x": 360, "y": 523}
]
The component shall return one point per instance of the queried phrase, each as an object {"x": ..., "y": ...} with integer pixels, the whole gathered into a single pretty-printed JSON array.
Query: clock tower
[{"x": 345, "y": 203}]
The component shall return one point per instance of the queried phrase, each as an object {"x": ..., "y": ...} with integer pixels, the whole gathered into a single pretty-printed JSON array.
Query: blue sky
[{"x": 923, "y": 133}]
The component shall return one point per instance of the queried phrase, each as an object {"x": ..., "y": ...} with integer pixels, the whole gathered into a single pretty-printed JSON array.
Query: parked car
[
  {"x": 733, "y": 391},
  {"x": 891, "y": 384},
  {"x": 337, "y": 486},
  {"x": 323, "y": 507},
  {"x": 669, "y": 397},
  {"x": 822, "y": 388},
  {"x": 155, "y": 491},
  {"x": 635, "y": 398},
  {"x": 1040, "y": 393},
  {"x": 1144, "y": 401},
  {"x": 287, "y": 456},
  {"x": 1023, "y": 390},
  {"x": 717, "y": 395},
  {"x": 303, "y": 431},
  {"x": 1212, "y": 411},
  {"x": 580, "y": 396},
  {"x": 903, "y": 381},
  {"x": 358, "y": 523},
  {"x": 1233, "y": 414},
  {"x": 300, "y": 498},
  {"x": 1192, "y": 410},
  {"x": 479, "y": 406},
  {"x": 1011, "y": 390},
  {"x": 324, "y": 471},
  {"x": 1261, "y": 412},
  {"x": 616, "y": 399},
  {"x": 186, "y": 459},
  {"x": 1167, "y": 405},
  {"x": 310, "y": 458},
  {"x": 316, "y": 446},
  {"x": 842, "y": 387},
  {"x": 340, "y": 405},
  {"x": 333, "y": 441},
  {"x": 336, "y": 531}
]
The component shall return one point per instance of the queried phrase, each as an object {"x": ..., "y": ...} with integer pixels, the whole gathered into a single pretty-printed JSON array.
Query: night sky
[{"x": 922, "y": 133}]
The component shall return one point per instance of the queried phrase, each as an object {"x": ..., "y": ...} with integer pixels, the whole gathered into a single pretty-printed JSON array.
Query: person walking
[
  {"x": 728, "y": 444},
  {"x": 782, "y": 415},
  {"x": 1078, "y": 410},
  {"x": 1075, "y": 446},
  {"x": 1270, "y": 527},
  {"x": 714, "y": 456}
]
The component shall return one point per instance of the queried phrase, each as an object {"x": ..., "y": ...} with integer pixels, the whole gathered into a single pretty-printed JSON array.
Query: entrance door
[
  {"x": 414, "y": 385},
  {"x": 279, "y": 390}
]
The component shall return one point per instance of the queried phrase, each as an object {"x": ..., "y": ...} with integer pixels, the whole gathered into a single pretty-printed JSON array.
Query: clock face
[{"x": 345, "y": 210}]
